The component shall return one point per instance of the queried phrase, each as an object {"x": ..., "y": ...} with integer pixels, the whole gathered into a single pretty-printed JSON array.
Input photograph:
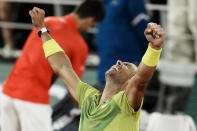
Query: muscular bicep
[
  {"x": 137, "y": 85},
  {"x": 63, "y": 68}
]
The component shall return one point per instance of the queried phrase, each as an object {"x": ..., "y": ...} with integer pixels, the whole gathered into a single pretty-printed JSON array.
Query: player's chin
[{"x": 111, "y": 72}]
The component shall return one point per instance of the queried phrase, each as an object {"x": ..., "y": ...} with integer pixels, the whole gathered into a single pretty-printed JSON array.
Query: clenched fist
[
  {"x": 155, "y": 35},
  {"x": 37, "y": 17}
]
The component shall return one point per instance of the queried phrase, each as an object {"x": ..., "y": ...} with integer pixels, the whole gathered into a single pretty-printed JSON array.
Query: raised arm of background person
[
  {"x": 58, "y": 61},
  {"x": 138, "y": 83}
]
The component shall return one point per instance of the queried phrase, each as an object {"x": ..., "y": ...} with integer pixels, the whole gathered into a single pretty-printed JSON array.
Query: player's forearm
[
  {"x": 155, "y": 35},
  {"x": 59, "y": 61},
  {"x": 61, "y": 64},
  {"x": 148, "y": 66},
  {"x": 143, "y": 76},
  {"x": 55, "y": 55}
]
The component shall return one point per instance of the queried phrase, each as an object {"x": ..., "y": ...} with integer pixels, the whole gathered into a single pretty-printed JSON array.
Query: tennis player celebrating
[{"x": 119, "y": 106}]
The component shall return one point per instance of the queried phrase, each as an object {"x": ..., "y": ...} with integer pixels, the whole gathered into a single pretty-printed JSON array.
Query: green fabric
[
  {"x": 113, "y": 115},
  {"x": 191, "y": 108}
]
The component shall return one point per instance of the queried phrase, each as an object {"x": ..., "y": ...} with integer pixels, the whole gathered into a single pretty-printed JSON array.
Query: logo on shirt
[{"x": 104, "y": 105}]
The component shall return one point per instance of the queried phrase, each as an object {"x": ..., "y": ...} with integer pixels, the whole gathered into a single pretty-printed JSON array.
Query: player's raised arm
[
  {"x": 137, "y": 84},
  {"x": 58, "y": 60}
]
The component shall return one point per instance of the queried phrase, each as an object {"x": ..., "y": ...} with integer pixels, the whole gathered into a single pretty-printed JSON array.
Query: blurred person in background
[
  {"x": 6, "y": 12},
  {"x": 181, "y": 49},
  {"x": 121, "y": 35},
  {"x": 16, "y": 12},
  {"x": 25, "y": 98},
  {"x": 181, "y": 22}
]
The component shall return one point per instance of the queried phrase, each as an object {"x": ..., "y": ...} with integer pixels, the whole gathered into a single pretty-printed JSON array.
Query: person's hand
[
  {"x": 155, "y": 35},
  {"x": 37, "y": 17}
]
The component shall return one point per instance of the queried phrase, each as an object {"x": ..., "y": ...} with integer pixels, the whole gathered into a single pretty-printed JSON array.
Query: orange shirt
[{"x": 31, "y": 76}]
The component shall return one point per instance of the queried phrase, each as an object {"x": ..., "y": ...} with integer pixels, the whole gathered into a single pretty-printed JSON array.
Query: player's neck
[
  {"x": 78, "y": 20},
  {"x": 110, "y": 90}
]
